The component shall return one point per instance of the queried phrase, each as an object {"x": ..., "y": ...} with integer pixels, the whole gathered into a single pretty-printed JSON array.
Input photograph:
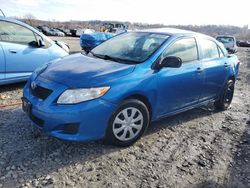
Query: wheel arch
[
  {"x": 143, "y": 99},
  {"x": 231, "y": 77}
]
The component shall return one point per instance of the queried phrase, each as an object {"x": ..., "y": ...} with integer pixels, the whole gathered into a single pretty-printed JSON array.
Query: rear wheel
[
  {"x": 128, "y": 123},
  {"x": 226, "y": 97}
]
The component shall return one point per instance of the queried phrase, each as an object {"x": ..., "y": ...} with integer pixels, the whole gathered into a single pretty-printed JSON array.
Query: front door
[
  {"x": 22, "y": 54},
  {"x": 2, "y": 64},
  {"x": 180, "y": 87}
]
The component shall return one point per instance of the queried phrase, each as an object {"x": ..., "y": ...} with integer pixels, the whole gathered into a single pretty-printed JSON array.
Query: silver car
[{"x": 229, "y": 42}]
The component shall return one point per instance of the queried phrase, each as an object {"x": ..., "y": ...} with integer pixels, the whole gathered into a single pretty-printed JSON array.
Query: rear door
[
  {"x": 22, "y": 54},
  {"x": 2, "y": 64},
  {"x": 215, "y": 68}
]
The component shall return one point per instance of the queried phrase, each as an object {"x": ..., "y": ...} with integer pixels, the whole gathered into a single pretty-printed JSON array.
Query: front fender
[{"x": 132, "y": 85}]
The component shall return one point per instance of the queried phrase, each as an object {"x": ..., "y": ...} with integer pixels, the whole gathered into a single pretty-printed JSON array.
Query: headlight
[{"x": 73, "y": 96}]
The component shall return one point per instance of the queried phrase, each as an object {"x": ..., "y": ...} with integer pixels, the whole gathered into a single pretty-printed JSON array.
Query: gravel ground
[{"x": 198, "y": 148}]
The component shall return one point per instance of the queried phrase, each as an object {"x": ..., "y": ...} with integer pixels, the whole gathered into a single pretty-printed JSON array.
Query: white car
[{"x": 229, "y": 42}]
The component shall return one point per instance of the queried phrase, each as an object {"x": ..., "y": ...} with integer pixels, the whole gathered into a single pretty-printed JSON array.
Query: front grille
[{"x": 41, "y": 92}]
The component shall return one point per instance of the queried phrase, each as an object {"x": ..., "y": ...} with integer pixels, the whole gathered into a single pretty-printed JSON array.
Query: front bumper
[
  {"x": 231, "y": 49},
  {"x": 79, "y": 122}
]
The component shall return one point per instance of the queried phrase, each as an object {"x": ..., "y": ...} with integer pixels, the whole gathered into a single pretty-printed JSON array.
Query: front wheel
[
  {"x": 128, "y": 123},
  {"x": 226, "y": 97}
]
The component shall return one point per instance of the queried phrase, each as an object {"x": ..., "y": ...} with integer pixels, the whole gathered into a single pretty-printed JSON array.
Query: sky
[{"x": 176, "y": 12}]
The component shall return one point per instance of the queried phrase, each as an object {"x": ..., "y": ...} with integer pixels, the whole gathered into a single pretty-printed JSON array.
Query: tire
[
  {"x": 226, "y": 96},
  {"x": 124, "y": 131}
]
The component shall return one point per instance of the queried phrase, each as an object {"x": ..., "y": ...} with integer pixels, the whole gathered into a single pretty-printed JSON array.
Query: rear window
[
  {"x": 209, "y": 49},
  {"x": 225, "y": 40},
  {"x": 220, "y": 52}
]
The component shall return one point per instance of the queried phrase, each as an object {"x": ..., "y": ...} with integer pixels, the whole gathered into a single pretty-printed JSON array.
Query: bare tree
[{"x": 30, "y": 19}]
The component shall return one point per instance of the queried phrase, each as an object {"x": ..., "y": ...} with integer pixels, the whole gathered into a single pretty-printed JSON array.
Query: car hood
[{"x": 79, "y": 70}]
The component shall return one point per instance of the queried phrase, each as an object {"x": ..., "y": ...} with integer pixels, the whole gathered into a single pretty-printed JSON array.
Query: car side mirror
[
  {"x": 41, "y": 43},
  {"x": 170, "y": 61},
  {"x": 33, "y": 44}
]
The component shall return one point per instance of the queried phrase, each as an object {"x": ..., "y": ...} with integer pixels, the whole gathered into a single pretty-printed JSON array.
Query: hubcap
[
  {"x": 127, "y": 124},
  {"x": 229, "y": 95}
]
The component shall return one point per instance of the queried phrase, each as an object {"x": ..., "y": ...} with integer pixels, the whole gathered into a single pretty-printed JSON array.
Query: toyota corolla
[{"x": 118, "y": 88}]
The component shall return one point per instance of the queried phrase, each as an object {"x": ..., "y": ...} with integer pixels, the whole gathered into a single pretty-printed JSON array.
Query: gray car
[{"x": 229, "y": 42}]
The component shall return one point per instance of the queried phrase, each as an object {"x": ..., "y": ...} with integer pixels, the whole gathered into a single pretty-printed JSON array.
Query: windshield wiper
[
  {"x": 106, "y": 57},
  {"x": 90, "y": 52},
  {"x": 96, "y": 55},
  {"x": 116, "y": 59}
]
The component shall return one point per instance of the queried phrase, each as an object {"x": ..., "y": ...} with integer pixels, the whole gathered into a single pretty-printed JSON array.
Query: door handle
[
  {"x": 199, "y": 70},
  {"x": 225, "y": 65},
  {"x": 13, "y": 51}
]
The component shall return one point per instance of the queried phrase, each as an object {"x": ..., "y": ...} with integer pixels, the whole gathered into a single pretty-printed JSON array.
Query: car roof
[
  {"x": 18, "y": 22},
  {"x": 15, "y": 21},
  {"x": 231, "y": 36},
  {"x": 169, "y": 31},
  {"x": 177, "y": 32}
]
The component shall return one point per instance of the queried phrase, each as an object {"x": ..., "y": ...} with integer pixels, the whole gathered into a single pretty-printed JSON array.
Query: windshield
[
  {"x": 225, "y": 40},
  {"x": 134, "y": 47}
]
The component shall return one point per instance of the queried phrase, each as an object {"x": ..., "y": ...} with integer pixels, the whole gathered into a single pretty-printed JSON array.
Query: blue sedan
[
  {"x": 23, "y": 49},
  {"x": 128, "y": 81}
]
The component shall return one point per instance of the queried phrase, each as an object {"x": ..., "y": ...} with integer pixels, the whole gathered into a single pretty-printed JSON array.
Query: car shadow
[
  {"x": 178, "y": 119},
  {"x": 26, "y": 151}
]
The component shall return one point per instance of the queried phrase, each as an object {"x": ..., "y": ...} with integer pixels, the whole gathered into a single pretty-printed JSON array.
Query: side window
[
  {"x": 221, "y": 54},
  {"x": 186, "y": 49},
  {"x": 15, "y": 33},
  {"x": 209, "y": 49}
]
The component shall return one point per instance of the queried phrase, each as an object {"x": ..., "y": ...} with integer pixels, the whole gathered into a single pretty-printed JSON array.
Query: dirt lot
[{"x": 198, "y": 148}]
